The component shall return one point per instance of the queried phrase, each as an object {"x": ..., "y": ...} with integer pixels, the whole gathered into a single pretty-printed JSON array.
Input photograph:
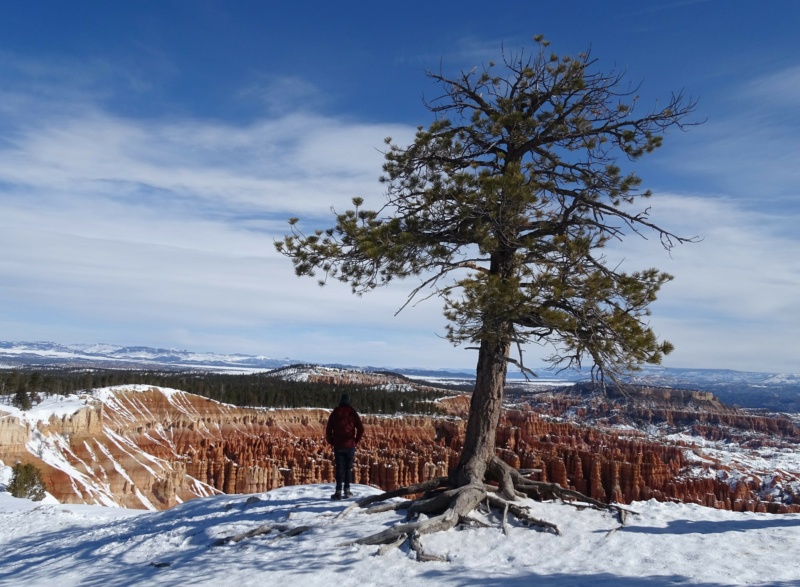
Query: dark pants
[{"x": 344, "y": 466}]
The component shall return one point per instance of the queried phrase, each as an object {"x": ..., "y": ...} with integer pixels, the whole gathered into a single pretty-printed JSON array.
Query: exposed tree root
[
  {"x": 438, "y": 523},
  {"x": 440, "y": 506},
  {"x": 391, "y": 546},
  {"x": 422, "y": 556},
  {"x": 544, "y": 490},
  {"x": 425, "y": 486},
  {"x": 521, "y": 513}
]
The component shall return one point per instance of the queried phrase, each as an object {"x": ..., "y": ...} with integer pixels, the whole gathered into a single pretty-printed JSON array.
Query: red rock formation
[{"x": 150, "y": 448}]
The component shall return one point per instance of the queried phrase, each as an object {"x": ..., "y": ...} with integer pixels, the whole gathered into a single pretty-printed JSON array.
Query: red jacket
[{"x": 344, "y": 429}]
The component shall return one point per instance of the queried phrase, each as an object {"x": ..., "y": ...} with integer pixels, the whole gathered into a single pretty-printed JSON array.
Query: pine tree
[
  {"x": 22, "y": 400},
  {"x": 502, "y": 207},
  {"x": 26, "y": 481}
]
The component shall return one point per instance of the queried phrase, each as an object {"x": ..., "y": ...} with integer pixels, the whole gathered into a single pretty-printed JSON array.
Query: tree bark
[{"x": 484, "y": 413}]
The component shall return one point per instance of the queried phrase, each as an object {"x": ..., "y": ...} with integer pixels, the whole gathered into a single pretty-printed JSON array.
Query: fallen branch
[
  {"x": 285, "y": 532},
  {"x": 266, "y": 529},
  {"x": 296, "y": 531}
]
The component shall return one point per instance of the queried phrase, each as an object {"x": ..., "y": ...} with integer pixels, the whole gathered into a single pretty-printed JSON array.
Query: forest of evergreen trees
[{"x": 263, "y": 390}]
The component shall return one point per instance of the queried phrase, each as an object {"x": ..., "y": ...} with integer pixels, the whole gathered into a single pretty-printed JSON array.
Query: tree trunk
[{"x": 484, "y": 413}]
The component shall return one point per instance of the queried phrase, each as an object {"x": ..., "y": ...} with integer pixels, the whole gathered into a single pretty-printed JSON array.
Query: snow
[
  {"x": 51, "y": 405},
  {"x": 666, "y": 544},
  {"x": 66, "y": 405},
  {"x": 99, "y": 354}
]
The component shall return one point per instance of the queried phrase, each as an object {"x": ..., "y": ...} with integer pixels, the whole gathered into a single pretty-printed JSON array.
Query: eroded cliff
[{"x": 147, "y": 447}]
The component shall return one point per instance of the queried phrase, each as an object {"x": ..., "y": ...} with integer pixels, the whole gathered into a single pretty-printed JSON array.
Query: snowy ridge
[
  {"x": 307, "y": 372},
  {"x": 343, "y": 376},
  {"x": 670, "y": 376},
  {"x": 106, "y": 448},
  {"x": 97, "y": 355},
  {"x": 14, "y": 354},
  {"x": 59, "y": 406}
]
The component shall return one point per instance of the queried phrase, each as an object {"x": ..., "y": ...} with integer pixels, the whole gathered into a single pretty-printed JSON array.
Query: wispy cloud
[
  {"x": 779, "y": 89},
  {"x": 279, "y": 95},
  {"x": 159, "y": 231},
  {"x": 260, "y": 167},
  {"x": 750, "y": 150},
  {"x": 162, "y": 230},
  {"x": 733, "y": 300}
]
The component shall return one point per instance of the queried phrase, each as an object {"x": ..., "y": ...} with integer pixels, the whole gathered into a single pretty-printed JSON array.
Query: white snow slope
[{"x": 666, "y": 544}]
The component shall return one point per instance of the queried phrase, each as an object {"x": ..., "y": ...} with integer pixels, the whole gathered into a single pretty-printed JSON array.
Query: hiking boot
[
  {"x": 348, "y": 493},
  {"x": 336, "y": 496}
]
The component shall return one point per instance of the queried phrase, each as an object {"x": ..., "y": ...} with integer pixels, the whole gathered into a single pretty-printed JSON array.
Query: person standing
[{"x": 344, "y": 431}]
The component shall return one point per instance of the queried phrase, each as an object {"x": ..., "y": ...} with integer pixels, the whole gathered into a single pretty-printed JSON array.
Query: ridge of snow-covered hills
[
  {"x": 100, "y": 355},
  {"x": 672, "y": 375},
  {"x": 777, "y": 392},
  {"x": 49, "y": 353}
]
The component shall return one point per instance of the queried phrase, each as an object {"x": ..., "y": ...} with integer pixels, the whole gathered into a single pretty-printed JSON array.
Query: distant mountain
[
  {"x": 673, "y": 376},
  {"x": 771, "y": 391},
  {"x": 775, "y": 392},
  {"x": 20, "y": 354}
]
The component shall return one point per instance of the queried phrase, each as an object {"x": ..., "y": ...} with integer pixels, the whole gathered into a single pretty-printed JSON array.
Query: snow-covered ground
[
  {"x": 666, "y": 544},
  {"x": 50, "y": 405}
]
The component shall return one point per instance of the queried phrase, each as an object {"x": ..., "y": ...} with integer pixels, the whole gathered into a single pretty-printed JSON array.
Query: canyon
[{"x": 150, "y": 447}]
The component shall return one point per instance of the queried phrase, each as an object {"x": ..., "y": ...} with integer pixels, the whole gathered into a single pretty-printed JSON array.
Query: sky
[{"x": 152, "y": 152}]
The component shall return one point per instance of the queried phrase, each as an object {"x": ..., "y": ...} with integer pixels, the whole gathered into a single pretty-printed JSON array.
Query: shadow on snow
[{"x": 124, "y": 551}]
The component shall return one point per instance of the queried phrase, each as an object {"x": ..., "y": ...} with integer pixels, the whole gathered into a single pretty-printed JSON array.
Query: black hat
[{"x": 344, "y": 400}]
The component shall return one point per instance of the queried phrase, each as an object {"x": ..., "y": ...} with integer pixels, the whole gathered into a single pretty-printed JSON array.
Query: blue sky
[{"x": 150, "y": 153}]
